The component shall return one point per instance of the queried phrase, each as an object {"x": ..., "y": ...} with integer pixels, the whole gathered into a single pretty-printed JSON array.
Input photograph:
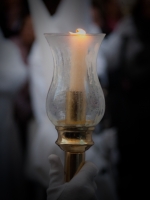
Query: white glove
[{"x": 81, "y": 186}]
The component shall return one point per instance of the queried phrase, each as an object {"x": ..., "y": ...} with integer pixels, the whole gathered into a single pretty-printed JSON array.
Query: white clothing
[{"x": 12, "y": 76}]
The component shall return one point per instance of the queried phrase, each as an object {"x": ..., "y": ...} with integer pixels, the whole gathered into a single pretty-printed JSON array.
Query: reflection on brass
[
  {"x": 78, "y": 123},
  {"x": 75, "y": 107},
  {"x": 73, "y": 163},
  {"x": 74, "y": 141}
]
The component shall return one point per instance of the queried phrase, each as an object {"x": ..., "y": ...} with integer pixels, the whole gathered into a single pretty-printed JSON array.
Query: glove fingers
[
  {"x": 89, "y": 170},
  {"x": 56, "y": 171}
]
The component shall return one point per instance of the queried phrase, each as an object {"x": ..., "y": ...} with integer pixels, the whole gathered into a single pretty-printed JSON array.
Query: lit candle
[
  {"x": 78, "y": 65},
  {"x": 76, "y": 104}
]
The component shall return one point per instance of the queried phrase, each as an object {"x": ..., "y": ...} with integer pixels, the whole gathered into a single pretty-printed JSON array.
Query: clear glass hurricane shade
[{"x": 75, "y": 97}]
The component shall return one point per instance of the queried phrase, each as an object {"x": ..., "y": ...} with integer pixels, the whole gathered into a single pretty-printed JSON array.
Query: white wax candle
[{"x": 79, "y": 42}]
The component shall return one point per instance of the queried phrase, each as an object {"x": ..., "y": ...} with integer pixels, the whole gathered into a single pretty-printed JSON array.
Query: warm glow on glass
[
  {"x": 79, "y": 31},
  {"x": 75, "y": 97}
]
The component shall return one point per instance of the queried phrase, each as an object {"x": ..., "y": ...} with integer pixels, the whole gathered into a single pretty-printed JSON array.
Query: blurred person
[
  {"x": 106, "y": 14},
  {"x": 11, "y": 14},
  {"x": 22, "y": 105},
  {"x": 12, "y": 77},
  {"x": 17, "y": 28},
  {"x": 127, "y": 60},
  {"x": 25, "y": 38},
  {"x": 23, "y": 110}
]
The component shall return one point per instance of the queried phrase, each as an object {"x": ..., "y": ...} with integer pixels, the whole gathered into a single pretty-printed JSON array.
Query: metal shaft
[{"x": 73, "y": 163}]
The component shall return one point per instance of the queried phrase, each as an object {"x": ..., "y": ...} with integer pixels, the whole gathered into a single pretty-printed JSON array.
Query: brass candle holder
[{"x": 75, "y": 101}]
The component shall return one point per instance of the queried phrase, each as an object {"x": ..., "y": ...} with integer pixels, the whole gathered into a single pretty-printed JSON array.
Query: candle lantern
[{"x": 75, "y": 101}]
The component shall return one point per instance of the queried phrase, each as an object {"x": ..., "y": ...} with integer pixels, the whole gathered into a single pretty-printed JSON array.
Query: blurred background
[{"x": 27, "y": 137}]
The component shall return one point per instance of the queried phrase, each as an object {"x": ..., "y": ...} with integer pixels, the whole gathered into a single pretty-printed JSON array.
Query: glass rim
[{"x": 68, "y": 34}]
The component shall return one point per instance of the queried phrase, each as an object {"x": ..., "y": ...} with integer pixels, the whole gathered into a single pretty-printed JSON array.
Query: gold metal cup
[{"x": 74, "y": 141}]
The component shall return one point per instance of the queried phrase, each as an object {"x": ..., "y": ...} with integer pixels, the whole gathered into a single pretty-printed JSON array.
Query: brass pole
[{"x": 73, "y": 163}]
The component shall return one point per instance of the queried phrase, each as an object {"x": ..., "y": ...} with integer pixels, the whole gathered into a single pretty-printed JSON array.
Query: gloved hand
[{"x": 81, "y": 186}]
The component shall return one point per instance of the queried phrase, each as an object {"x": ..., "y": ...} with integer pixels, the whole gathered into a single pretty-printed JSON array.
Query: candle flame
[{"x": 79, "y": 31}]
